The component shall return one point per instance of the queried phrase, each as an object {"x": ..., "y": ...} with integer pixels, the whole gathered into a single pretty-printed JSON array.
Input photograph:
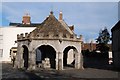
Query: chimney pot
[{"x": 60, "y": 16}]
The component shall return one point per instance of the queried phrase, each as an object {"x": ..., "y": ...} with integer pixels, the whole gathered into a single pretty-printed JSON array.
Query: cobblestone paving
[{"x": 71, "y": 74}]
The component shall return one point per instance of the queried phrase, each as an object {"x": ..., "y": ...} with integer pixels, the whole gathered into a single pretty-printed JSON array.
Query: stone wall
[{"x": 56, "y": 44}]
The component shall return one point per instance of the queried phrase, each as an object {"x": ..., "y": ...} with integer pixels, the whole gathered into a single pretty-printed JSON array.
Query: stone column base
[{"x": 31, "y": 67}]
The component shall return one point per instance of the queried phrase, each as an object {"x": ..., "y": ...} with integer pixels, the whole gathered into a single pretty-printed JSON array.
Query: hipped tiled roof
[{"x": 51, "y": 24}]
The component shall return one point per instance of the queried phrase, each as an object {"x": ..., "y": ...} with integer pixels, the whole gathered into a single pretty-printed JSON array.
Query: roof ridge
[{"x": 66, "y": 26}]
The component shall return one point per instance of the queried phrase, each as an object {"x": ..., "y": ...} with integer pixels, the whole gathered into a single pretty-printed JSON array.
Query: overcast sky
[{"x": 87, "y": 17}]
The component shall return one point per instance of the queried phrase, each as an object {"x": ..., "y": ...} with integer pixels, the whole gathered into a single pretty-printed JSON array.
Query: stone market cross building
[{"x": 52, "y": 40}]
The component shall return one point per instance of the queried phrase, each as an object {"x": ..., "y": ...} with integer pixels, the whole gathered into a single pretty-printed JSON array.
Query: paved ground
[{"x": 8, "y": 73}]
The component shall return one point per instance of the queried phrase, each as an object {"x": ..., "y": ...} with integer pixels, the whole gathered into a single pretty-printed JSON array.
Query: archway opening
[
  {"x": 69, "y": 57},
  {"x": 46, "y": 51},
  {"x": 25, "y": 56}
]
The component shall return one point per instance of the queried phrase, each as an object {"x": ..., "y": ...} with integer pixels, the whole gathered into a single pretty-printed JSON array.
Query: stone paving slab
[{"x": 10, "y": 73}]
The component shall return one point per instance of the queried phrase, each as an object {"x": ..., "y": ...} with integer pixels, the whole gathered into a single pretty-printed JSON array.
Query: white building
[{"x": 8, "y": 36}]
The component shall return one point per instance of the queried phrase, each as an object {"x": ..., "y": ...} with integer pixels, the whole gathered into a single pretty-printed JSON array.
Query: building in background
[
  {"x": 8, "y": 35},
  {"x": 89, "y": 46},
  {"x": 93, "y": 46},
  {"x": 116, "y": 44}
]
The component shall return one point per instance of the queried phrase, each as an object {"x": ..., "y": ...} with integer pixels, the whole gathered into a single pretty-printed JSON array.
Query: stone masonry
[{"x": 51, "y": 36}]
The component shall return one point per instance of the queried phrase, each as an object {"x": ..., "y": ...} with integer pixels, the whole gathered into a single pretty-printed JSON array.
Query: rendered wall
[{"x": 9, "y": 38}]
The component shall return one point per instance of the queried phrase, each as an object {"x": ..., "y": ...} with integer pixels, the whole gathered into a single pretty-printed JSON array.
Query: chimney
[
  {"x": 60, "y": 16},
  {"x": 26, "y": 19}
]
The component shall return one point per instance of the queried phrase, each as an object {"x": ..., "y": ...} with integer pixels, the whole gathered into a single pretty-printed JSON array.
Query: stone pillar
[
  {"x": 32, "y": 60},
  {"x": 56, "y": 60},
  {"x": 59, "y": 61},
  {"x": 21, "y": 61},
  {"x": 81, "y": 61},
  {"x": 77, "y": 61},
  {"x": 19, "y": 58}
]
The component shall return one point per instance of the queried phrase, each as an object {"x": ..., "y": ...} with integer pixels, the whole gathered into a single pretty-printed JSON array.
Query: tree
[{"x": 102, "y": 40}]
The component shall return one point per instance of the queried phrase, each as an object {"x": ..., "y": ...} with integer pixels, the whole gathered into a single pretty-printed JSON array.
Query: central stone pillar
[
  {"x": 59, "y": 61},
  {"x": 32, "y": 60}
]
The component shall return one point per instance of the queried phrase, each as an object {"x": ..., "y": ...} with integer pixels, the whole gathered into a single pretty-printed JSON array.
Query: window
[
  {"x": 1, "y": 52},
  {"x": 1, "y": 39}
]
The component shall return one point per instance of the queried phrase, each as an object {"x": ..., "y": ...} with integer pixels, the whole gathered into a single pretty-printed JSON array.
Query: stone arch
[
  {"x": 67, "y": 56},
  {"x": 53, "y": 46},
  {"x": 46, "y": 51},
  {"x": 25, "y": 56}
]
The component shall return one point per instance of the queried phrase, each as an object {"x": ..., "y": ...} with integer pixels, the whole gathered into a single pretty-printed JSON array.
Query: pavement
[{"x": 9, "y": 73}]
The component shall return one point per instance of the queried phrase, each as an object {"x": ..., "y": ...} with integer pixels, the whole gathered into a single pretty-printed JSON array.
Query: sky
[
  {"x": 60, "y": 0},
  {"x": 87, "y": 17}
]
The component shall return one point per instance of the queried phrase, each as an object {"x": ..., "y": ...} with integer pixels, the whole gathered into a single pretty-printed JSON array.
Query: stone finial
[
  {"x": 81, "y": 37},
  {"x": 30, "y": 35},
  {"x": 21, "y": 36},
  {"x": 60, "y": 16},
  {"x": 26, "y": 35},
  {"x": 51, "y": 12},
  {"x": 51, "y": 34},
  {"x": 61, "y": 35},
  {"x": 18, "y": 36},
  {"x": 67, "y": 35}
]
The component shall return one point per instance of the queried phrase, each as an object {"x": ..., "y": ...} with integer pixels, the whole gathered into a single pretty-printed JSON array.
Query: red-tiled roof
[{"x": 93, "y": 46}]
